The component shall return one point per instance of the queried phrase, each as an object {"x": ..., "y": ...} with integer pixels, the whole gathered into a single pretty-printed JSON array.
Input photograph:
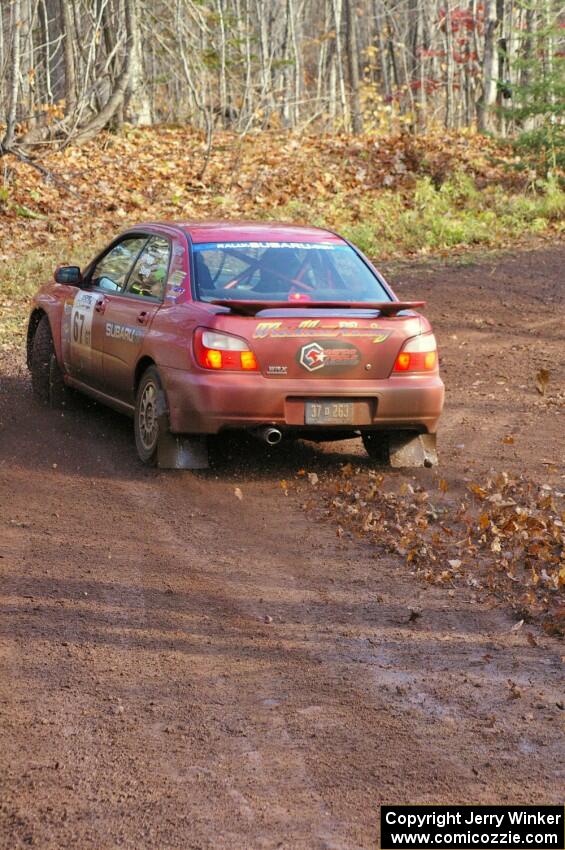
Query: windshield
[{"x": 283, "y": 271}]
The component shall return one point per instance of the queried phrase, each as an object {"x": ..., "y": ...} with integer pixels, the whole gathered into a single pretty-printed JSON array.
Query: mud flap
[
  {"x": 407, "y": 450},
  {"x": 179, "y": 451}
]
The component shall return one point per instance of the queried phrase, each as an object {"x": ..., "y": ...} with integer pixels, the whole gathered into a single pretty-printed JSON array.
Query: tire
[
  {"x": 150, "y": 417},
  {"x": 47, "y": 379},
  {"x": 377, "y": 446}
]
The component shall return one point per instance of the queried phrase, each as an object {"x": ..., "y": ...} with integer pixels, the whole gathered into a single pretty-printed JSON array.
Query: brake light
[
  {"x": 418, "y": 355},
  {"x": 223, "y": 351}
]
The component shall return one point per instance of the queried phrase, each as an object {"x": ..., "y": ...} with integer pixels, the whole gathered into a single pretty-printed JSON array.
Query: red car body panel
[{"x": 124, "y": 334}]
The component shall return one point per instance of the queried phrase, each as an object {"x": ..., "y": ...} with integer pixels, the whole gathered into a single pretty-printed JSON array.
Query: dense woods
[{"x": 72, "y": 67}]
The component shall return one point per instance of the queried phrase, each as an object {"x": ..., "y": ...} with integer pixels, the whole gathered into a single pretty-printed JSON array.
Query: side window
[
  {"x": 110, "y": 273},
  {"x": 149, "y": 274}
]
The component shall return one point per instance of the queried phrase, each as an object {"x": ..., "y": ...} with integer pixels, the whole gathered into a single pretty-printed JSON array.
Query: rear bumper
[{"x": 206, "y": 403}]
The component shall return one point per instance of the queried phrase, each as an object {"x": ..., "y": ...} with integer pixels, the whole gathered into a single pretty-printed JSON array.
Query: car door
[
  {"x": 128, "y": 316},
  {"x": 84, "y": 328}
]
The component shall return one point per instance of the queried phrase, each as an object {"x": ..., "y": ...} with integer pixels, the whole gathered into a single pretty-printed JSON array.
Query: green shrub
[{"x": 456, "y": 214}]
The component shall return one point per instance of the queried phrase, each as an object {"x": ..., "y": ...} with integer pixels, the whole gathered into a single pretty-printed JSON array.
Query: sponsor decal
[
  {"x": 276, "y": 330},
  {"x": 115, "y": 331},
  {"x": 177, "y": 279},
  {"x": 303, "y": 246},
  {"x": 314, "y": 356},
  {"x": 175, "y": 285},
  {"x": 82, "y": 312},
  {"x": 277, "y": 370},
  {"x": 263, "y": 329}
]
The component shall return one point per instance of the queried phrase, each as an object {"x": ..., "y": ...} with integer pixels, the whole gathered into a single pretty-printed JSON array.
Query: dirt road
[{"x": 182, "y": 668}]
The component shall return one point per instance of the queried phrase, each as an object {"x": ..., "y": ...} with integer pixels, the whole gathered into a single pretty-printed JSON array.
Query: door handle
[
  {"x": 143, "y": 316},
  {"x": 100, "y": 305}
]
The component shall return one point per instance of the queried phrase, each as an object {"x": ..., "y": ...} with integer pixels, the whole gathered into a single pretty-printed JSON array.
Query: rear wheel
[
  {"x": 377, "y": 446},
  {"x": 150, "y": 418},
  {"x": 46, "y": 375}
]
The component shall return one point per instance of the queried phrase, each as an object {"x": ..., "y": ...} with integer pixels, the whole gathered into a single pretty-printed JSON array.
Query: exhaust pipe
[{"x": 269, "y": 434}]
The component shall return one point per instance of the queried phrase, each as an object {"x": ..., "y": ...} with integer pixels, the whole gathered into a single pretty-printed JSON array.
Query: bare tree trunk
[
  {"x": 46, "y": 37},
  {"x": 10, "y": 133},
  {"x": 337, "y": 10},
  {"x": 353, "y": 66},
  {"x": 70, "y": 72},
  {"x": 265, "y": 71},
  {"x": 27, "y": 69},
  {"x": 293, "y": 18},
  {"x": 502, "y": 63},
  {"x": 449, "y": 67},
  {"x": 222, "y": 87},
  {"x": 412, "y": 47},
  {"x": 380, "y": 18},
  {"x": 487, "y": 100},
  {"x": 137, "y": 104},
  {"x": 3, "y": 94}
]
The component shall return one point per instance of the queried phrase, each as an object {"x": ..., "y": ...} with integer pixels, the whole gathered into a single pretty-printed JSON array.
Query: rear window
[{"x": 283, "y": 271}]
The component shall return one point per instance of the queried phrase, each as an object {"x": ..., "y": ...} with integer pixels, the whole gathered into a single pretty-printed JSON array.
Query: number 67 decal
[{"x": 81, "y": 319}]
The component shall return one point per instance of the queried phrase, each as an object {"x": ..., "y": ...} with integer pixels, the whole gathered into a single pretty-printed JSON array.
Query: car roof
[{"x": 253, "y": 231}]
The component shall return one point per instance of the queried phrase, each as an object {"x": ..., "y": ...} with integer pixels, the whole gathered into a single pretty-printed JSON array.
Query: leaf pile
[
  {"x": 504, "y": 537},
  {"x": 166, "y": 172}
]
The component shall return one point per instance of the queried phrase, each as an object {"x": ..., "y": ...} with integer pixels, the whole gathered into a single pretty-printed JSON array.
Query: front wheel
[
  {"x": 150, "y": 418},
  {"x": 47, "y": 379}
]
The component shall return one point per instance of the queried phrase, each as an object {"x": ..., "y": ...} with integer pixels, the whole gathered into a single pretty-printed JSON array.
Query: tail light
[
  {"x": 418, "y": 355},
  {"x": 223, "y": 351}
]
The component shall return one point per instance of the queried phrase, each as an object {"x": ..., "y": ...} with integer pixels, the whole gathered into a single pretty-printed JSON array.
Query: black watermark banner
[{"x": 462, "y": 827}]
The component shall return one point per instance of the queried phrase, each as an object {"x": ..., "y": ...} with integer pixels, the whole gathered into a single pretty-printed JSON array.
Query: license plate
[{"x": 328, "y": 412}]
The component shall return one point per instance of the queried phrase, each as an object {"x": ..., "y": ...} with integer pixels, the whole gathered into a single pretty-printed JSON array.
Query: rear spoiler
[{"x": 251, "y": 308}]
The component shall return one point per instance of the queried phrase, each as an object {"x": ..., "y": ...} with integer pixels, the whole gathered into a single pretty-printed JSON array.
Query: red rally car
[{"x": 195, "y": 328}]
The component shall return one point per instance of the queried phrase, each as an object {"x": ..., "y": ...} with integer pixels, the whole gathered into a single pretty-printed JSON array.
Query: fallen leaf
[
  {"x": 484, "y": 521},
  {"x": 515, "y": 692},
  {"x": 313, "y": 478},
  {"x": 542, "y": 380},
  {"x": 238, "y": 494}
]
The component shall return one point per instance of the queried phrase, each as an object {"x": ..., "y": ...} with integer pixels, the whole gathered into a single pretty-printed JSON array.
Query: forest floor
[
  {"x": 233, "y": 659},
  {"x": 392, "y": 195}
]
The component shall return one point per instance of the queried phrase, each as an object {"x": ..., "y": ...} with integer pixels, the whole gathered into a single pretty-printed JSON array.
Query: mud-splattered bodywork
[{"x": 308, "y": 356}]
